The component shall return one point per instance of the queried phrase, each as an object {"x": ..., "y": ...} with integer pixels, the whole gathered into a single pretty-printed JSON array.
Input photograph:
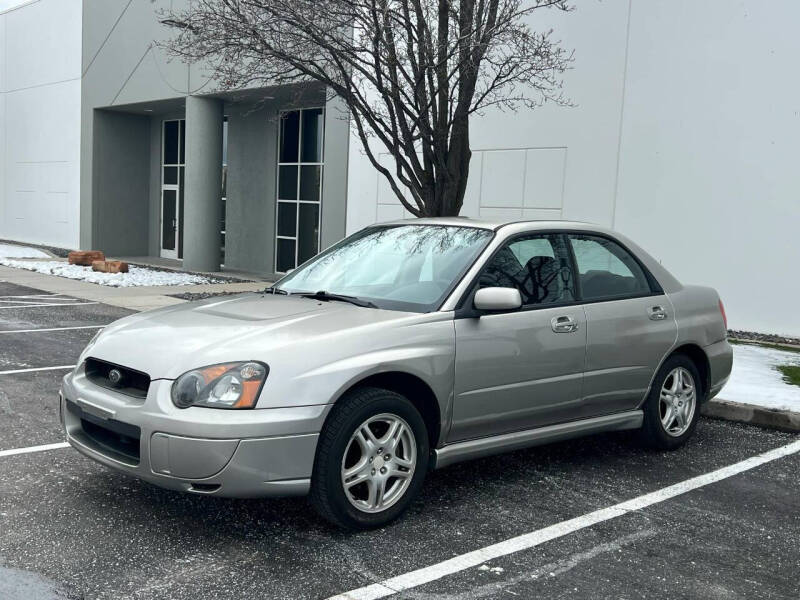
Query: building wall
[
  {"x": 40, "y": 71},
  {"x": 685, "y": 136},
  {"x": 122, "y": 66},
  {"x": 121, "y": 183},
  {"x": 252, "y": 160}
]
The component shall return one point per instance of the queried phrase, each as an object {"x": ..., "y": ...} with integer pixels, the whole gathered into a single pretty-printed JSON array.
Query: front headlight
[{"x": 229, "y": 385}]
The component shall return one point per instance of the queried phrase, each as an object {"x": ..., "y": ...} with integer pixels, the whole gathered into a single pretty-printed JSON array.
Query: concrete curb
[{"x": 784, "y": 420}]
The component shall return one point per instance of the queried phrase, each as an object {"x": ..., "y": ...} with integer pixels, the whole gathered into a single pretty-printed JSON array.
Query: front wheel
[
  {"x": 371, "y": 459},
  {"x": 672, "y": 408}
]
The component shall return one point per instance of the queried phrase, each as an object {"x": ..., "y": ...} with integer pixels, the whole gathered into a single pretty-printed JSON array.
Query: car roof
[{"x": 495, "y": 224}]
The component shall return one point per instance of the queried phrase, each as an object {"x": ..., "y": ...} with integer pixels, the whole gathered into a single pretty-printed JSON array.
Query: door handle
[
  {"x": 564, "y": 324},
  {"x": 657, "y": 313}
]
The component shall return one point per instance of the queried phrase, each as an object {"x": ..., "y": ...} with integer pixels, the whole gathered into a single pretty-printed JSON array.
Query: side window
[
  {"x": 606, "y": 270},
  {"x": 538, "y": 266}
]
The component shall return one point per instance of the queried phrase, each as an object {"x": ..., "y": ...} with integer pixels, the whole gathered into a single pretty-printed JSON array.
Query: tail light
[{"x": 724, "y": 316}]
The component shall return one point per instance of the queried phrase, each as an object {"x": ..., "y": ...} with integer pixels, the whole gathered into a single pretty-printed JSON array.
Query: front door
[
  {"x": 521, "y": 369},
  {"x": 630, "y": 325}
]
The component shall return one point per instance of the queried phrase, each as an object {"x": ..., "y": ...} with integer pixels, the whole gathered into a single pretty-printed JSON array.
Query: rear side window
[
  {"x": 538, "y": 266},
  {"x": 606, "y": 270}
]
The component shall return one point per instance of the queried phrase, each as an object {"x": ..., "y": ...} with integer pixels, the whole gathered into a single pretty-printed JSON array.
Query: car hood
[{"x": 167, "y": 342}]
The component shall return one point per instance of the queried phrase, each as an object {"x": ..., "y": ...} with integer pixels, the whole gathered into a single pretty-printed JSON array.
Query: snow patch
[
  {"x": 756, "y": 381},
  {"x": 496, "y": 570},
  {"x": 136, "y": 277},
  {"x": 12, "y": 251}
]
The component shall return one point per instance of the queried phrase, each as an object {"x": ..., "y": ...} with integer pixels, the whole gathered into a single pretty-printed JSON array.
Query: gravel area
[
  {"x": 54, "y": 250},
  {"x": 192, "y": 296},
  {"x": 770, "y": 338}
]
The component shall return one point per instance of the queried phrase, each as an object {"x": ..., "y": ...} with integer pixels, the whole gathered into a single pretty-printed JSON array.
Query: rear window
[{"x": 606, "y": 269}]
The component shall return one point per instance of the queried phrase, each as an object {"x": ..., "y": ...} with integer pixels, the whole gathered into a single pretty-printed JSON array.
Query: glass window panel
[
  {"x": 313, "y": 127},
  {"x": 225, "y": 181},
  {"x": 287, "y": 218},
  {"x": 606, "y": 270},
  {"x": 285, "y": 258},
  {"x": 290, "y": 136},
  {"x": 384, "y": 264},
  {"x": 170, "y": 175},
  {"x": 307, "y": 232},
  {"x": 310, "y": 181},
  {"x": 168, "y": 220},
  {"x": 540, "y": 267},
  {"x": 170, "y": 142},
  {"x": 287, "y": 183},
  {"x": 183, "y": 142},
  {"x": 225, "y": 141}
]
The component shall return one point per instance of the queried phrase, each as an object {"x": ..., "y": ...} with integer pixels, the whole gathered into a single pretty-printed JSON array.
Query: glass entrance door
[
  {"x": 169, "y": 223},
  {"x": 173, "y": 158}
]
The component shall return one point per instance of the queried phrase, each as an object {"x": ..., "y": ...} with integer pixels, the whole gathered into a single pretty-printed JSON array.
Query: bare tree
[{"x": 411, "y": 72}]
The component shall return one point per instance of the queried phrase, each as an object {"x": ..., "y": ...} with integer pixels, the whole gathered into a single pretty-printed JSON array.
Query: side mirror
[{"x": 493, "y": 299}]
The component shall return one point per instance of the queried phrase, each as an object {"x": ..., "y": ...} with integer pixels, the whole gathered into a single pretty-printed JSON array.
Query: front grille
[
  {"x": 129, "y": 381},
  {"x": 113, "y": 438}
]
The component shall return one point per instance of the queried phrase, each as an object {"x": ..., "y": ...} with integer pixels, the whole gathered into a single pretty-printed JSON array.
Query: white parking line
[
  {"x": 13, "y": 371},
  {"x": 39, "y": 300},
  {"x": 53, "y": 329},
  {"x": 33, "y": 296},
  {"x": 30, "y": 449},
  {"x": 526, "y": 541},
  {"x": 48, "y": 304}
]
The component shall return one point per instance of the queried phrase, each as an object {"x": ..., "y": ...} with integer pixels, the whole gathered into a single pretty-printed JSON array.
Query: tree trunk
[{"x": 453, "y": 183}]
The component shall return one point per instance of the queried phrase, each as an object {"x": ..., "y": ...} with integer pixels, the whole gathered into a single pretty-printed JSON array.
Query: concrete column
[{"x": 203, "y": 184}]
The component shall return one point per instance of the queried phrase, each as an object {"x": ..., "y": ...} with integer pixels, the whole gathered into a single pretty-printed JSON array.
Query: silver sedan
[{"x": 406, "y": 347}]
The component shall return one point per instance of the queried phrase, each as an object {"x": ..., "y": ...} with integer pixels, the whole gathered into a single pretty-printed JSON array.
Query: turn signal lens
[{"x": 227, "y": 385}]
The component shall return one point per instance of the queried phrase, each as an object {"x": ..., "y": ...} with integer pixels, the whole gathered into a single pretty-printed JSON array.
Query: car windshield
[{"x": 400, "y": 267}]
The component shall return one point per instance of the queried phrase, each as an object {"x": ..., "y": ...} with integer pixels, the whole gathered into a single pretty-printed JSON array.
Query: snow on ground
[
  {"x": 12, "y": 251},
  {"x": 138, "y": 276},
  {"x": 756, "y": 381}
]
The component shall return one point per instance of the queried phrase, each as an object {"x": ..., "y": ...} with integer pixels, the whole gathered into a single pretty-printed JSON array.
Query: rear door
[
  {"x": 521, "y": 369},
  {"x": 629, "y": 321}
]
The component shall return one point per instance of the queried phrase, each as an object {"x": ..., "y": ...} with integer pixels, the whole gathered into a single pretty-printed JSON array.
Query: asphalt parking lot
[{"x": 69, "y": 528}]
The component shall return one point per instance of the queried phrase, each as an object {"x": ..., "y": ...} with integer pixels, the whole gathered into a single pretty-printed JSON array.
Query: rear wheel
[
  {"x": 371, "y": 459},
  {"x": 673, "y": 405}
]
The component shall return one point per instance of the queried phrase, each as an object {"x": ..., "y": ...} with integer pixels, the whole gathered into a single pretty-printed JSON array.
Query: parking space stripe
[
  {"x": 25, "y": 301},
  {"x": 526, "y": 541},
  {"x": 30, "y": 449},
  {"x": 53, "y": 329},
  {"x": 31, "y": 370},
  {"x": 48, "y": 304},
  {"x": 33, "y": 296}
]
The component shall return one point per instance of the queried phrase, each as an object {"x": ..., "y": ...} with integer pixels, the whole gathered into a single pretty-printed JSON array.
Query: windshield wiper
[
  {"x": 273, "y": 290},
  {"x": 323, "y": 295}
]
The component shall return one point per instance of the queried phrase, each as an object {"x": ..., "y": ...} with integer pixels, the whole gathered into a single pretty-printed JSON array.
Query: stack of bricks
[
  {"x": 110, "y": 266},
  {"x": 97, "y": 260},
  {"x": 85, "y": 257}
]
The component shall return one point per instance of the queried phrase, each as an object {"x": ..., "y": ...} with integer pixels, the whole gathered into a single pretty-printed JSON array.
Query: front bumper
[{"x": 231, "y": 453}]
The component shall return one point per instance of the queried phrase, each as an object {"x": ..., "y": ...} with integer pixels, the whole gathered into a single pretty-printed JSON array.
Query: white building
[{"x": 686, "y": 137}]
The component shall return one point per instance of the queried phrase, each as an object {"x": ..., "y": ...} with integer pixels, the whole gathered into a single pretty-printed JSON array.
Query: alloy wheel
[
  {"x": 379, "y": 462},
  {"x": 678, "y": 401}
]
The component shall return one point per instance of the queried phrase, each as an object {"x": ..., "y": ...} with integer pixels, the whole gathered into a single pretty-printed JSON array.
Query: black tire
[
  {"x": 327, "y": 494},
  {"x": 653, "y": 432}
]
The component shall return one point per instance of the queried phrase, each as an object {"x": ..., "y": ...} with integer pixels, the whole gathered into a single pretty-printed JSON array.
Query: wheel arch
[
  {"x": 411, "y": 386},
  {"x": 698, "y": 356}
]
